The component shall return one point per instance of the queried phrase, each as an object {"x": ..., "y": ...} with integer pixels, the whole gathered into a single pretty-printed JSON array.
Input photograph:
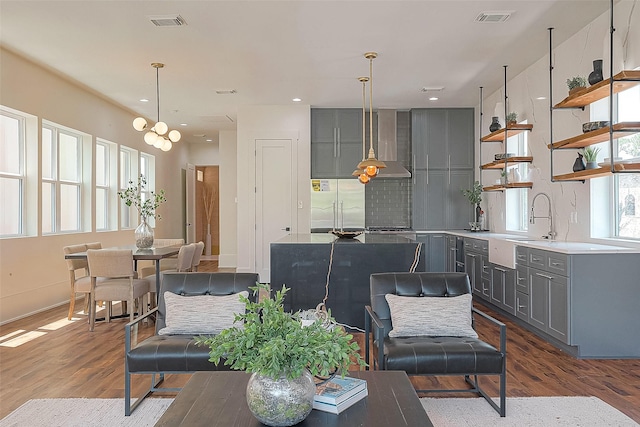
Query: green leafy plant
[
  {"x": 137, "y": 196},
  {"x": 576, "y": 82},
  {"x": 474, "y": 194},
  {"x": 590, "y": 153},
  {"x": 272, "y": 342},
  {"x": 512, "y": 117}
]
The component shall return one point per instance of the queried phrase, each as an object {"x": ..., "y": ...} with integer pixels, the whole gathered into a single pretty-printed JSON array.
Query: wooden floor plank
[{"x": 73, "y": 362}]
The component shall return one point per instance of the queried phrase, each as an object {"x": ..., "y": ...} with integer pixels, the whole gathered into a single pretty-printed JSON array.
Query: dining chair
[
  {"x": 80, "y": 282},
  {"x": 185, "y": 258},
  {"x": 113, "y": 279},
  {"x": 169, "y": 263},
  {"x": 197, "y": 255}
]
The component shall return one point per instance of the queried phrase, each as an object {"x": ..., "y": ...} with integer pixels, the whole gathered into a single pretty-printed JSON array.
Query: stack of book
[{"x": 339, "y": 393}]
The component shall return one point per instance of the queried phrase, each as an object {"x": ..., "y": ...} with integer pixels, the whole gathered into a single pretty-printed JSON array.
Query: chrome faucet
[{"x": 532, "y": 217}]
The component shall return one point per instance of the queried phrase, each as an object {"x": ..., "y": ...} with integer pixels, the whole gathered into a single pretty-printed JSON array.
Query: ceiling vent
[
  {"x": 493, "y": 17},
  {"x": 168, "y": 21},
  {"x": 226, "y": 91}
]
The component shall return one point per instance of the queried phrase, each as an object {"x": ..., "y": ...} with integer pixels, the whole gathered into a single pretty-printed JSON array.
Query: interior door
[
  {"x": 275, "y": 205},
  {"x": 190, "y": 203}
]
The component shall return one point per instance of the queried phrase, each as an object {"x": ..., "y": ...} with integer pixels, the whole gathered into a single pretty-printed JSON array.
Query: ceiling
[{"x": 272, "y": 51}]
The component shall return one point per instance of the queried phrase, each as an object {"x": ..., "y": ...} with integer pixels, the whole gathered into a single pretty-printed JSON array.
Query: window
[
  {"x": 626, "y": 186},
  {"x": 61, "y": 180},
  {"x": 516, "y": 199},
  {"x": 106, "y": 186},
  {"x": 128, "y": 172},
  {"x": 12, "y": 173}
]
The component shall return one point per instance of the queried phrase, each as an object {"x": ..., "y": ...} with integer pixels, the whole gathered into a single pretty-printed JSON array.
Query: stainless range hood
[{"x": 388, "y": 146}]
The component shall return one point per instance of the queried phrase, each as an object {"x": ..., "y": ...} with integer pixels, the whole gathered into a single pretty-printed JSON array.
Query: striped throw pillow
[
  {"x": 200, "y": 314},
  {"x": 431, "y": 316}
]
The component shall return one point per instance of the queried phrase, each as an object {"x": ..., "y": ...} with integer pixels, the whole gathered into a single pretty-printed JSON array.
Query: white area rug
[
  {"x": 525, "y": 412},
  {"x": 84, "y": 413},
  {"x": 455, "y": 412}
]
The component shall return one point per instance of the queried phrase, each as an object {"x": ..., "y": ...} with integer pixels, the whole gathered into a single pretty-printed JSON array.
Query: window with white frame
[
  {"x": 12, "y": 173},
  {"x": 626, "y": 186},
  {"x": 128, "y": 174},
  {"x": 61, "y": 179},
  {"x": 147, "y": 168},
  {"x": 105, "y": 182},
  {"x": 516, "y": 199}
]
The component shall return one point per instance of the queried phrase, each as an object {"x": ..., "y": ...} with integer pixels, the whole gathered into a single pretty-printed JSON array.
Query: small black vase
[
  {"x": 596, "y": 75},
  {"x": 578, "y": 165},
  {"x": 495, "y": 124}
]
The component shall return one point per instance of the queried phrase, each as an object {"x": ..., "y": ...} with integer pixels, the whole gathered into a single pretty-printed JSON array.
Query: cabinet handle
[
  {"x": 427, "y": 169},
  {"x": 453, "y": 249},
  {"x": 339, "y": 143},
  {"x": 335, "y": 142},
  {"x": 472, "y": 256},
  {"x": 520, "y": 279},
  {"x": 413, "y": 169},
  {"x": 555, "y": 264},
  {"x": 500, "y": 269},
  {"x": 449, "y": 168},
  {"x": 534, "y": 259},
  {"x": 544, "y": 275},
  {"x": 518, "y": 303}
]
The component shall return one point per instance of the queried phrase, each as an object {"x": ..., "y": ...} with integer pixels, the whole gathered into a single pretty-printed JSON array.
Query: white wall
[
  {"x": 228, "y": 199},
  {"x": 33, "y": 273},
  {"x": 269, "y": 121},
  {"x": 571, "y": 58}
]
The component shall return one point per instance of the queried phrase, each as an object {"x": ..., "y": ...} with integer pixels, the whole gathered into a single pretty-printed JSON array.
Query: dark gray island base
[{"x": 301, "y": 263}]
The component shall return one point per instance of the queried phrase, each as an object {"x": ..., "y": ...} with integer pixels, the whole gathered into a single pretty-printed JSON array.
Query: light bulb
[
  {"x": 159, "y": 142},
  {"x": 364, "y": 178},
  {"x": 372, "y": 171},
  {"x": 150, "y": 137},
  {"x": 139, "y": 124},
  {"x": 174, "y": 136},
  {"x": 161, "y": 128},
  {"x": 166, "y": 146}
]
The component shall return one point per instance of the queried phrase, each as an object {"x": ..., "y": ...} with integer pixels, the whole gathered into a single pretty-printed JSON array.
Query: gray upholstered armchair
[{"x": 422, "y": 324}]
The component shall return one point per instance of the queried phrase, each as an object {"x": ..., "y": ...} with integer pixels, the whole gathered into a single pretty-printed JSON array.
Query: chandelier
[
  {"x": 156, "y": 135},
  {"x": 361, "y": 174},
  {"x": 371, "y": 166}
]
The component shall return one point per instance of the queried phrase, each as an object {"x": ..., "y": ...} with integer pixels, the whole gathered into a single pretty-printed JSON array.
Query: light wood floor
[{"x": 66, "y": 360}]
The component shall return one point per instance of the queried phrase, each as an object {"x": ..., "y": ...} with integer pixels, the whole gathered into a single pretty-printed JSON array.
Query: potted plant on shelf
[
  {"x": 512, "y": 118},
  {"x": 282, "y": 356},
  {"x": 474, "y": 195},
  {"x": 146, "y": 203},
  {"x": 576, "y": 84},
  {"x": 590, "y": 155}
]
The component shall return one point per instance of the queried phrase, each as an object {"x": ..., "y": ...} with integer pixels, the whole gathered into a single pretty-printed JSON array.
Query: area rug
[
  {"x": 84, "y": 413},
  {"x": 525, "y": 412},
  {"x": 443, "y": 412}
]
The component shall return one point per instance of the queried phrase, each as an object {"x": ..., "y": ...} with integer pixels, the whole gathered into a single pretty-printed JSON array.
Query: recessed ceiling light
[
  {"x": 297, "y": 99},
  {"x": 183, "y": 124},
  {"x": 144, "y": 100},
  {"x": 209, "y": 140},
  {"x": 433, "y": 98},
  {"x": 540, "y": 98}
]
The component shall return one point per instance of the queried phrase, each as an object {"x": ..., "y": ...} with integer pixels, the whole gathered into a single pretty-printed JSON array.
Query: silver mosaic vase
[{"x": 280, "y": 402}]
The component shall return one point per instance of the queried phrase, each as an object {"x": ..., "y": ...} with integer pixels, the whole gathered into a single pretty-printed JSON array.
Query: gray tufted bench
[
  {"x": 432, "y": 355},
  {"x": 160, "y": 354}
]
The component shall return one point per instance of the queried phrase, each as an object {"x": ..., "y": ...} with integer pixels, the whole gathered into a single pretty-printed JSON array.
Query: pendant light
[
  {"x": 371, "y": 165},
  {"x": 360, "y": 173},
  {"x": 155, "y": 136}
]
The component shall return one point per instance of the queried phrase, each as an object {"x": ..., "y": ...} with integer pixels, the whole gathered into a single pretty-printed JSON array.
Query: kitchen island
[{"x": 301, "y": 262}]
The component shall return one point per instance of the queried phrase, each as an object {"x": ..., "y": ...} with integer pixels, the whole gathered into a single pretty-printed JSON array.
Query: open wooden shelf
[
  {"x": 622, "y": 81},
  {"x": 598, "y": 172},
  {"x": 620, "y": 130},
  {"x": 500, "y": 187},
  {"x": 501, "y": 164},
  {"x": 498, "y": 136}
]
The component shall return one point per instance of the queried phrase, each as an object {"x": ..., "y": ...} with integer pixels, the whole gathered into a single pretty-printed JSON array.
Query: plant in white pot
[
  {"x": 282, "y": 356},
  {"x": 146, "y": 202}
]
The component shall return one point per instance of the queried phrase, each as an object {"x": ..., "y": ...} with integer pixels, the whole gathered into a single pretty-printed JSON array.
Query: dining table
[{"x": 148, "y": 254}]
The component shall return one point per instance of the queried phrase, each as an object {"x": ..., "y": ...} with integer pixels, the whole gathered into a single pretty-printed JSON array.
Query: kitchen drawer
[
  {"x": 522, "y": 279},
  {"x": 522, "y": 305},
  {"x": 558, "y": 263},
  {"x": 522, "y": 255},
  {"x": 468, "y": 245},
  {"x": 551, "y": 262},
  {"x": 481, "y": 246}
]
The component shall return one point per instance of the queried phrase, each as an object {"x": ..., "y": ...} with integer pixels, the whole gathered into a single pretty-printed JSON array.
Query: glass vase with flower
[{"x": 146, "y": 203}]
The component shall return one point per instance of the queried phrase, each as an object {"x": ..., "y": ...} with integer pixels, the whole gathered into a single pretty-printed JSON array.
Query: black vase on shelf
[
  {"x": 596, "y": 75},
  {"x": 578, "y": 165},
  {"x": 495, "y": 124}
]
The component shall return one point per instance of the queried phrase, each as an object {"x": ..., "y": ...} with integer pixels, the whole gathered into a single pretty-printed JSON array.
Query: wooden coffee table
[{"x": 218, "y": 399}]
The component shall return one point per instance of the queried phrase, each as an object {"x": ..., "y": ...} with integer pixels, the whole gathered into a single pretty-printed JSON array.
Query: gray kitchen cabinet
[
  {"x": 476, "y": 265},
  {"x": 522, "y": 306},
  {"x": 435, "y": 247},
  {"x": 455, "y": 254},
  {"x": 503, "y": 288},
  {"x": 336, "y": 142},
  {"x": 443, "y": 150},
  {"x": 549, "y": 303}
]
